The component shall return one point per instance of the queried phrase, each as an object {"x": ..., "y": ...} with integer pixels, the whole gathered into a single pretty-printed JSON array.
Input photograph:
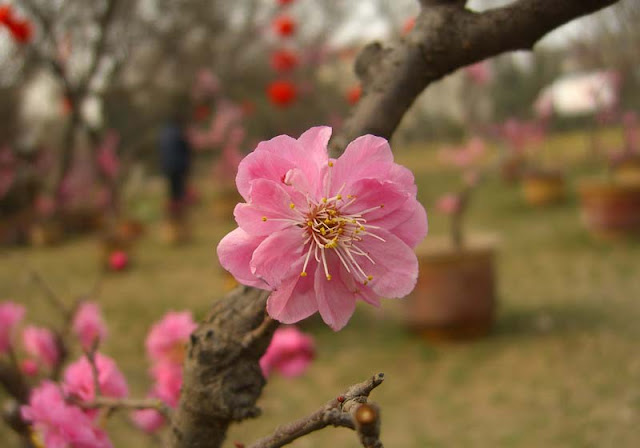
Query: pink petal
[
  {"x": 366, "y": 156},
  {"x": 310, "y": 162},
  {"x": 235, "y": 251},
  {"x": 294, "y": 299},
  {"x": 403, "y": 176},
  {"x": 278, "y": 255},
  {"x": 415, "y": 228},
  {"x": 372, "y": 194},
  {"x": 261, "y": 165},
  {"x": 395, "y": 271},
  {"x": 268, "y": 201},
  {"x": 315, "y": 141},
  {"x": 335, "y": 302},
  {"x": 361, "y": 291}
]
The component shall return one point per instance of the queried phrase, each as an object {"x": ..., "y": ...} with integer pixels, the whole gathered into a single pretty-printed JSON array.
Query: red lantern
[
  {"x": 282, "y": 93},
  {"x": 6, "y": 15},
  {"x": 284, "y": 26},
  {"x": 354, "y": 94},
  {"x": 408, "y": 25},
  {"x": 284, "y": 2},
  {"x": 284, "y": 60}
]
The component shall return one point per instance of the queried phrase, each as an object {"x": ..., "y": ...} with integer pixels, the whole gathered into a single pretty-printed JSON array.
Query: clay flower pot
[
  {"x": 455, "y": 294},
  {"x": 543, "y": 187},
  {"x": 611, "y": 210}
]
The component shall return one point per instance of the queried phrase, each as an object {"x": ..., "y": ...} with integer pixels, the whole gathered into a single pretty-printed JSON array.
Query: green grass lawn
[{"x": 560, "y": 369}]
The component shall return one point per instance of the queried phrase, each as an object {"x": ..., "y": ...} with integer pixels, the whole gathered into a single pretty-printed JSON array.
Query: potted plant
[
  {"x": 455, "y": 294},
  {"x": 610, "y": 206}
]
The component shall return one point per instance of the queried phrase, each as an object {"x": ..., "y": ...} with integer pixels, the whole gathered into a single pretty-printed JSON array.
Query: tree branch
[
  {"x": 349, "y": 410},
  {"x": 446, "y": 37}
]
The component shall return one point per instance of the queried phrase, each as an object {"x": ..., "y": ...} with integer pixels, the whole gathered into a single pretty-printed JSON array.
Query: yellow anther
[
  {"x": 292, "y": 206},
  {"x": 361, "y": 227},
  {"x": 330, "y": 164},
  {"x": 309, "y": 223},
  {"x": 328, "y": 276},
  {"x": 339, "y": 197},
  {"x": 340, "y": 231},
  {"x": 369, "y": 277},
  {"x": 322, "y": 231},
  {"x": 264, "y": 219},
  {"x": 381, "y": 205},
  {"x": 303, "y": 274},
  {"x": 349, "y": 196},
  {"x": 324, "y": 200},
  {"x": 327, "y": 221}
]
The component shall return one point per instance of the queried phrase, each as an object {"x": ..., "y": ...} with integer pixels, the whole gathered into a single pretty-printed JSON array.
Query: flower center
[{"x": 327, "y": 227}]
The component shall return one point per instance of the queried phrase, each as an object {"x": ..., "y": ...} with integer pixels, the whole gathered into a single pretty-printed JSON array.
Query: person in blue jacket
[{"x": 175, "y": 159}]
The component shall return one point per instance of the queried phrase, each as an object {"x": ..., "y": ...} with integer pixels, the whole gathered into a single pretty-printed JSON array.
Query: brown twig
[
  {"x": 349, "y": 410},
  {"x": 113, "y": 404}
]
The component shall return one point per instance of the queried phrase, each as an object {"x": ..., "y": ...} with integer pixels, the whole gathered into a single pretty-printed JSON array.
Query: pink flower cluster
[
  {"x": 323, "y": 233},
  {"x": 60, "y": 423},
  {"x": 522, "y": 134},
  {"x": 290, "y": 353},
  {"x": 165, "y": 348}
]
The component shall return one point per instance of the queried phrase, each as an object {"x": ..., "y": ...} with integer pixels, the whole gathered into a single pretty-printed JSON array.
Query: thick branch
[
  {"x": 347, "y": 410},
  {"x": 222, "y": 375},
  {"x": 446, "y": 37}
]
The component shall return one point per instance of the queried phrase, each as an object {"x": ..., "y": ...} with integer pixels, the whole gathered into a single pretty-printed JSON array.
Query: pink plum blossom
[
  {"x": 88, "y": 325},
  {"x": 79, "y": 378},
  {"x": 167, "y": 338},
  {"x": 449, "y": 204},
  {"x": 59, "y": 424},
  {"x": 148, "y": 420},
  {"x": 41, "y": 344},
  {"x": 290, "y": 353},
  {"x": 322, "y": 233},
  {"x": 168, "y": 381},
  {"x": 10, "y": 316}
]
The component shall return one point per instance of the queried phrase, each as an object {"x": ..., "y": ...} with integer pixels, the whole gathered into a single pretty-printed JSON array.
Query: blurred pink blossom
[
  {"x": 148, "y": 420},
  {"x": 107, "y": 155},
  {"x": 290, "y": 353},
  {"x": 10, "y": 316},
  {"x": 59, "y": 424},
  {"x": 167, "y": 338},
  {"x": 449, "y": 204},
  {"x": 88, "y": 325},
  {"x": 41, "y": 344},
  {"x": 79, "y": 379},
  {"x": 29, "y": 367},
  {"x": 522, "y": 134},
  {"x": 206, "y": 84},
  {"x": 479, "y": 73},
  {"x": 167, "y": 382},
  {"x": 358, "y": 214},
  {"x": 118, "y": 260},
  {"x": 464, "y": 155}
]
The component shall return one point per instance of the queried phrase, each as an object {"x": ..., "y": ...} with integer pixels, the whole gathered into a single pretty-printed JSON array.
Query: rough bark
[{"x": 222, "y": 378}]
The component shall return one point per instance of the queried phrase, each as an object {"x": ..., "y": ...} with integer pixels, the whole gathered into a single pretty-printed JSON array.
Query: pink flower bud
[
  {"x": 88, "y": 325},
  {"x": 449, "y": 204},
  {"x": 118, "y": 260},
  {"x": 10, "y": 316}
]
